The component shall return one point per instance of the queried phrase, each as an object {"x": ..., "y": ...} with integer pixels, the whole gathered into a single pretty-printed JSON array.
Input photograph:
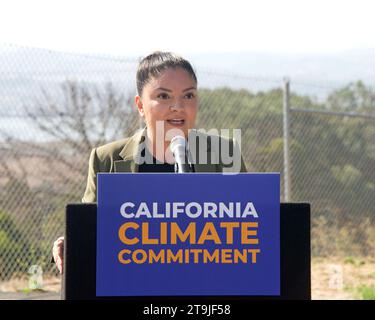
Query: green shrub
[
  {"x": 367, "y": 293},
  {"x": 13, "y": 245}
]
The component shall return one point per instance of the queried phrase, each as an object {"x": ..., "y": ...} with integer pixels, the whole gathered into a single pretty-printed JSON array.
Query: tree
[
  {"x": 355, "y": 97},
  {"x": 45, "y": 172},
  {"x": 11, "y": 244}
]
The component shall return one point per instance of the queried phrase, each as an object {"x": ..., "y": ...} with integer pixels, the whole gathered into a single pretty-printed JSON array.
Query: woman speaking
[{"x": 167, "y": 100}]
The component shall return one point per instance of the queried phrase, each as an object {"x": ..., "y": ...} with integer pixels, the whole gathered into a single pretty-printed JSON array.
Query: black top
[{"x": 155, "y": 166}]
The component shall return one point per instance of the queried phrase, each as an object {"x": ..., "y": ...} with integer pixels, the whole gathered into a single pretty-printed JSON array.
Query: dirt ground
[
  {"x": 18, "y": 289},
  {"x": 333, "y": 279},
  {"x": 340, "y": 279}
]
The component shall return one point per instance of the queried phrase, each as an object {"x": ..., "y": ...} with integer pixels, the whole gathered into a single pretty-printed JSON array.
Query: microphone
[{"x": 178, "y": 148}]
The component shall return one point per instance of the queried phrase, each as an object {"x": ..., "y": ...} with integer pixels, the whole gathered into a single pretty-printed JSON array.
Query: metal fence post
[{"x": 286, "y": 128}]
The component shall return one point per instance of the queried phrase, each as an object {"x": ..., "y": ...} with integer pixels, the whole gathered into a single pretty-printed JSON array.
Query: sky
[{"x": 138, "y": 27}]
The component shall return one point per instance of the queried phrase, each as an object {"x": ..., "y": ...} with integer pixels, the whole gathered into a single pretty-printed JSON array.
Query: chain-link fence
[{"x": 55, "y": 107}]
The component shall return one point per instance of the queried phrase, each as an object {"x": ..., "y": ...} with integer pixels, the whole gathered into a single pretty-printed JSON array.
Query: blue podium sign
[{"x": 188, "y": 234}]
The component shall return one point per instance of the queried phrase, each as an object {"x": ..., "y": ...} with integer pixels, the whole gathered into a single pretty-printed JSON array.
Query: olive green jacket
[{"x": 121, "y": 156}]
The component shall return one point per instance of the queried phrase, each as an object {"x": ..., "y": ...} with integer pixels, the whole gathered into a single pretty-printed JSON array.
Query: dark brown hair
[{"x": 157, "y": 62}]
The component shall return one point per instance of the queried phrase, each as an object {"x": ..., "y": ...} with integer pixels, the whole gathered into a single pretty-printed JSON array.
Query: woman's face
[{"x": 171, "y": 98}]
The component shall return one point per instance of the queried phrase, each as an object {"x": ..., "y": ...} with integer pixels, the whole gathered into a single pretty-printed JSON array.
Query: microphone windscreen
[{"x": 176, "y": 142}]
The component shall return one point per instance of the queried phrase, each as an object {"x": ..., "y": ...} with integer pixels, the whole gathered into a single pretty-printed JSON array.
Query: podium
[{"x": 79, "y": 278}]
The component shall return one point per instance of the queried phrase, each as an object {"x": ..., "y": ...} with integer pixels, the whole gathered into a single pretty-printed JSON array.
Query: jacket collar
[{"x": 131, "y": 149}]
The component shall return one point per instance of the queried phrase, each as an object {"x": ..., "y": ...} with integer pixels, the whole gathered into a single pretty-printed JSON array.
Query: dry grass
[
  {"x": 341, "y": 278},
  {"x": 50, "y": 284}
]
